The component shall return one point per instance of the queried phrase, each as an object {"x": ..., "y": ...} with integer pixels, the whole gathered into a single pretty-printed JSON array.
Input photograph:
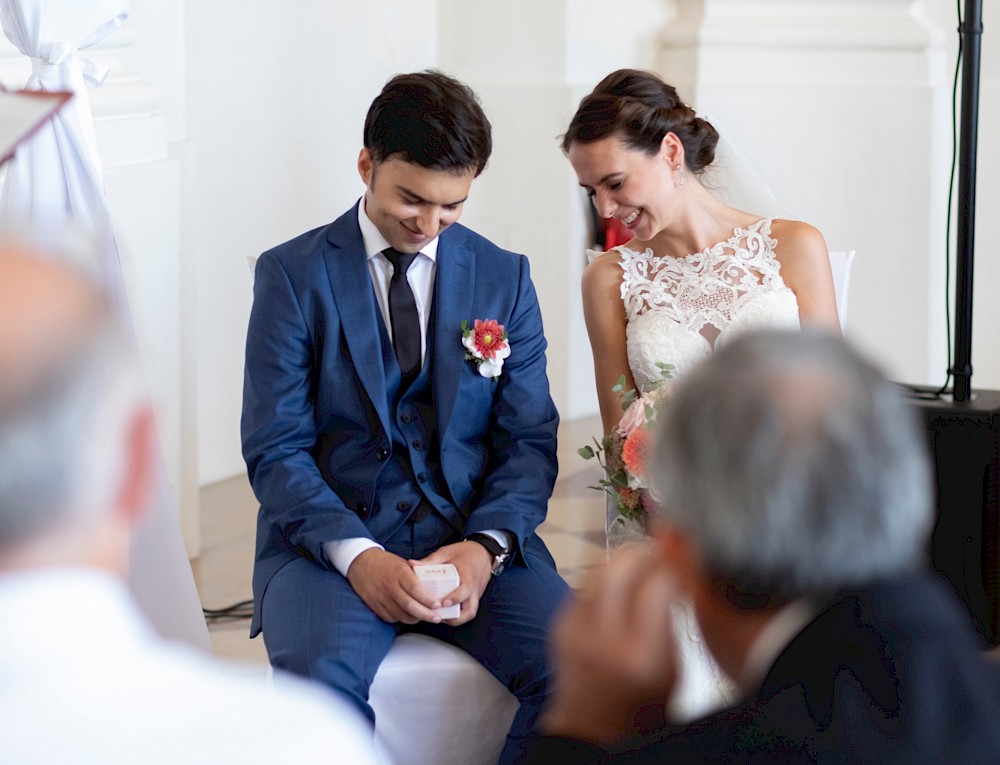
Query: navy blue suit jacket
[
  {"x": 316, "y": 412},
  {"x": 888, "y": 675}
]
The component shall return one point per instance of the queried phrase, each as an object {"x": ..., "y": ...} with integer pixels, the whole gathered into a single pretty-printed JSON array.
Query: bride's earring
[{"x": 681, "y": 174}]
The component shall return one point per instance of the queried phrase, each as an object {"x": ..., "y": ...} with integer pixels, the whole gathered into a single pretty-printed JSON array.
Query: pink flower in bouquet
[
  {"x": 635, "y": 454},
  {"x": 625, "y": 451},
  {"x": 634, "y": 417}
]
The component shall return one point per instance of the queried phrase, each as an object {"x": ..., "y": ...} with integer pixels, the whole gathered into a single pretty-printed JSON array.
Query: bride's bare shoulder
[{"x": 797, "y": 235}]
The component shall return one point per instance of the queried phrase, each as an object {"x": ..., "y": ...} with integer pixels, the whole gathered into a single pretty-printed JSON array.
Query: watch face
[{"x": 499, "y": 563}]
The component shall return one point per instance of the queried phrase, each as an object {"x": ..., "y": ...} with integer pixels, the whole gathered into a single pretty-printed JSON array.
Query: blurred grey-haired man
[{"x": 795, "y": 511}]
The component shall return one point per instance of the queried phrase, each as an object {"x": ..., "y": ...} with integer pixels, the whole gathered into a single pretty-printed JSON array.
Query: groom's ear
[{"x": 366, "y": 166}]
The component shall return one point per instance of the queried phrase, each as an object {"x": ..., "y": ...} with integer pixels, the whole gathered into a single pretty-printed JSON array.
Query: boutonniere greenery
[{"x": 486, "y": 346}]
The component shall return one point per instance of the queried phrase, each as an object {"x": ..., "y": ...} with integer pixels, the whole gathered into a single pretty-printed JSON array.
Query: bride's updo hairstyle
[{"x": 640, "y": 109}]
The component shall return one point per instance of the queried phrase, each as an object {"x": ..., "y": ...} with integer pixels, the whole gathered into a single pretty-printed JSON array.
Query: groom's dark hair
[{"x": 429, "y": 119}]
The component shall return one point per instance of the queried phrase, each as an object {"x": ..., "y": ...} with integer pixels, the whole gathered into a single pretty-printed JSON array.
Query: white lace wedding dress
[{"x": 679, "y": 310}]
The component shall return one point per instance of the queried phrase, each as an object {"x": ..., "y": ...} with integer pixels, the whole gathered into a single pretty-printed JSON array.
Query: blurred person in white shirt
[{"x": 83, "y": 677}]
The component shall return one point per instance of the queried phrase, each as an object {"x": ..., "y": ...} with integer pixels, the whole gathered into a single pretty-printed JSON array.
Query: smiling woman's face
[{"x": 626, "y": 184}]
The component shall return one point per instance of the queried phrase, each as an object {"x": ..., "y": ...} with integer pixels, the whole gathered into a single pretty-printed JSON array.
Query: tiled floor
[{"x": 574, "y": 532}]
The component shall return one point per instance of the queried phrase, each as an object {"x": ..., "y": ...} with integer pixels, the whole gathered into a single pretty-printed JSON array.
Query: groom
[{"x": 375, "y": 439}]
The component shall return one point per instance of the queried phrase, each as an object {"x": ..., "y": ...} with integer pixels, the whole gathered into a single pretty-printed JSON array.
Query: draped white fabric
[
  {"x": 54, "y": 183},
  {"x": 56, "y": 176}
]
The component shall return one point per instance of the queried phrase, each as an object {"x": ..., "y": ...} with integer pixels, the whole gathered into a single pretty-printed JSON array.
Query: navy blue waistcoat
[{"x": 412, "y": 475}]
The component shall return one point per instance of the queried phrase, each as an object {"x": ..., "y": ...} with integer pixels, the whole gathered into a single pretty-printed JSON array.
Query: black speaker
[{"x": 965, "y": 444}]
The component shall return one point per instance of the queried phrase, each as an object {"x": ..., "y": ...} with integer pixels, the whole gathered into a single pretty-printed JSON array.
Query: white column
[
  {"x": 143, "y": 187},
  {"x": 842, "y": 105}
]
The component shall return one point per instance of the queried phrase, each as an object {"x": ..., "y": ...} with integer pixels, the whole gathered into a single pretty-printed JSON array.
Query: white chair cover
[
  {"x": 53, "y": 184},
  {"x": 435, "y": 704},
  {"x": 840, "y": 267}
]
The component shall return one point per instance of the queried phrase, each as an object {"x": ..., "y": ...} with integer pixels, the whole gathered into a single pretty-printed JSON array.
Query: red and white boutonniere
[{"x": 486, "y": 346}]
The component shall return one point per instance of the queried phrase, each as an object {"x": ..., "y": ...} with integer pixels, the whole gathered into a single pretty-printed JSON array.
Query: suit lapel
[
  {"x": 453, "y": 304},
  {"x": 347, "y": 269}
]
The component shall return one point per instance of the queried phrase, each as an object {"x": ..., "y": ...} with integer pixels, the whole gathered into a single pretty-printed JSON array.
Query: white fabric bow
[{"x": 63, "y": 67}]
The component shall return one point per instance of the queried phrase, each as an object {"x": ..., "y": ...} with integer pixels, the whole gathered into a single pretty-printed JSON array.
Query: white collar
[{"x": 375, "y": 243}]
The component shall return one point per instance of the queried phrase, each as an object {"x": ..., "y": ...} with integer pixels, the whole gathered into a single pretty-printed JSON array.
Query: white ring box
[{"x": 438, "y": 579}]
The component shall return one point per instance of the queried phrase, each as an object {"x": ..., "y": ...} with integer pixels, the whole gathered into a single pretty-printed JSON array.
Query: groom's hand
[
  {"x": 388, "y": 586},
  {"x": 474, "y": 563}
]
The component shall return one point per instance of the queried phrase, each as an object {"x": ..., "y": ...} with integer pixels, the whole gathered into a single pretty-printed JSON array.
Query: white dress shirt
[
  {"x": 420, "y": 275},
  {"x": 85, "y": 680}
]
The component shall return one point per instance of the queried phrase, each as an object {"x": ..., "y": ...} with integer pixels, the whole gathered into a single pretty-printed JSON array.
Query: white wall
[
  {"x": 263, "y": 111},
  {"x": 834, "y": 100},
  {"x": 275, "y": 103}
]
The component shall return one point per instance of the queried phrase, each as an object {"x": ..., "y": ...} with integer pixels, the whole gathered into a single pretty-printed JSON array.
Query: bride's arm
[
  {"x": 604, "y": 313},
  {"x": 805, "y": 269}
]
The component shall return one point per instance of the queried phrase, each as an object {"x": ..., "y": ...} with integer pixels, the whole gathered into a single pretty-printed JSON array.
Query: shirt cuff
[
  {"x": 342, "y": 552},
  {"x": 502, "y": 537}
]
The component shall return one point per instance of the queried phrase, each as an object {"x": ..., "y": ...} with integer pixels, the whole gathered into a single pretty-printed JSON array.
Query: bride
[{"x": 696, "y": 272}]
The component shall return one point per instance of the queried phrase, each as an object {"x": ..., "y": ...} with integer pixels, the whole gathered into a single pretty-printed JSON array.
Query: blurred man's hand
[{"x": 614, "y": 652}]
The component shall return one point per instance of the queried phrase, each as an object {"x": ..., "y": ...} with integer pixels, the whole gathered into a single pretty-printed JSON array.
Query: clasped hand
[{"x": 388, "y": 586}]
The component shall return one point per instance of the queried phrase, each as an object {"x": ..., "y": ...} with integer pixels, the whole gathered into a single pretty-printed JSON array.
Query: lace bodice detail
[{"x": 680, "y": 308}]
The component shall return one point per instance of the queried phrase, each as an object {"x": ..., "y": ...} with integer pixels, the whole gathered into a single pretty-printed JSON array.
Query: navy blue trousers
[{"x": 315, "y": 625}]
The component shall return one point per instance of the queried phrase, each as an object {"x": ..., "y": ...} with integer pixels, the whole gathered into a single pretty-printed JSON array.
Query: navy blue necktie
[{"x": 403, "y": 315}]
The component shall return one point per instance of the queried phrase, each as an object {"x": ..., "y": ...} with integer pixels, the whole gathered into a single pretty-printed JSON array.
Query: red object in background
[{"x": 615, "y": 233}]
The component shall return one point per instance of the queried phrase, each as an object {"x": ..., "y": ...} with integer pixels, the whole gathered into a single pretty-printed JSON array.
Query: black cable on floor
[{"x": 241, "y": 610}]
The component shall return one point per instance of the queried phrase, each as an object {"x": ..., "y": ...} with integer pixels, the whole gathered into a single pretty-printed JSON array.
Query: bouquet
[{"x": 624, "y": 453}]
